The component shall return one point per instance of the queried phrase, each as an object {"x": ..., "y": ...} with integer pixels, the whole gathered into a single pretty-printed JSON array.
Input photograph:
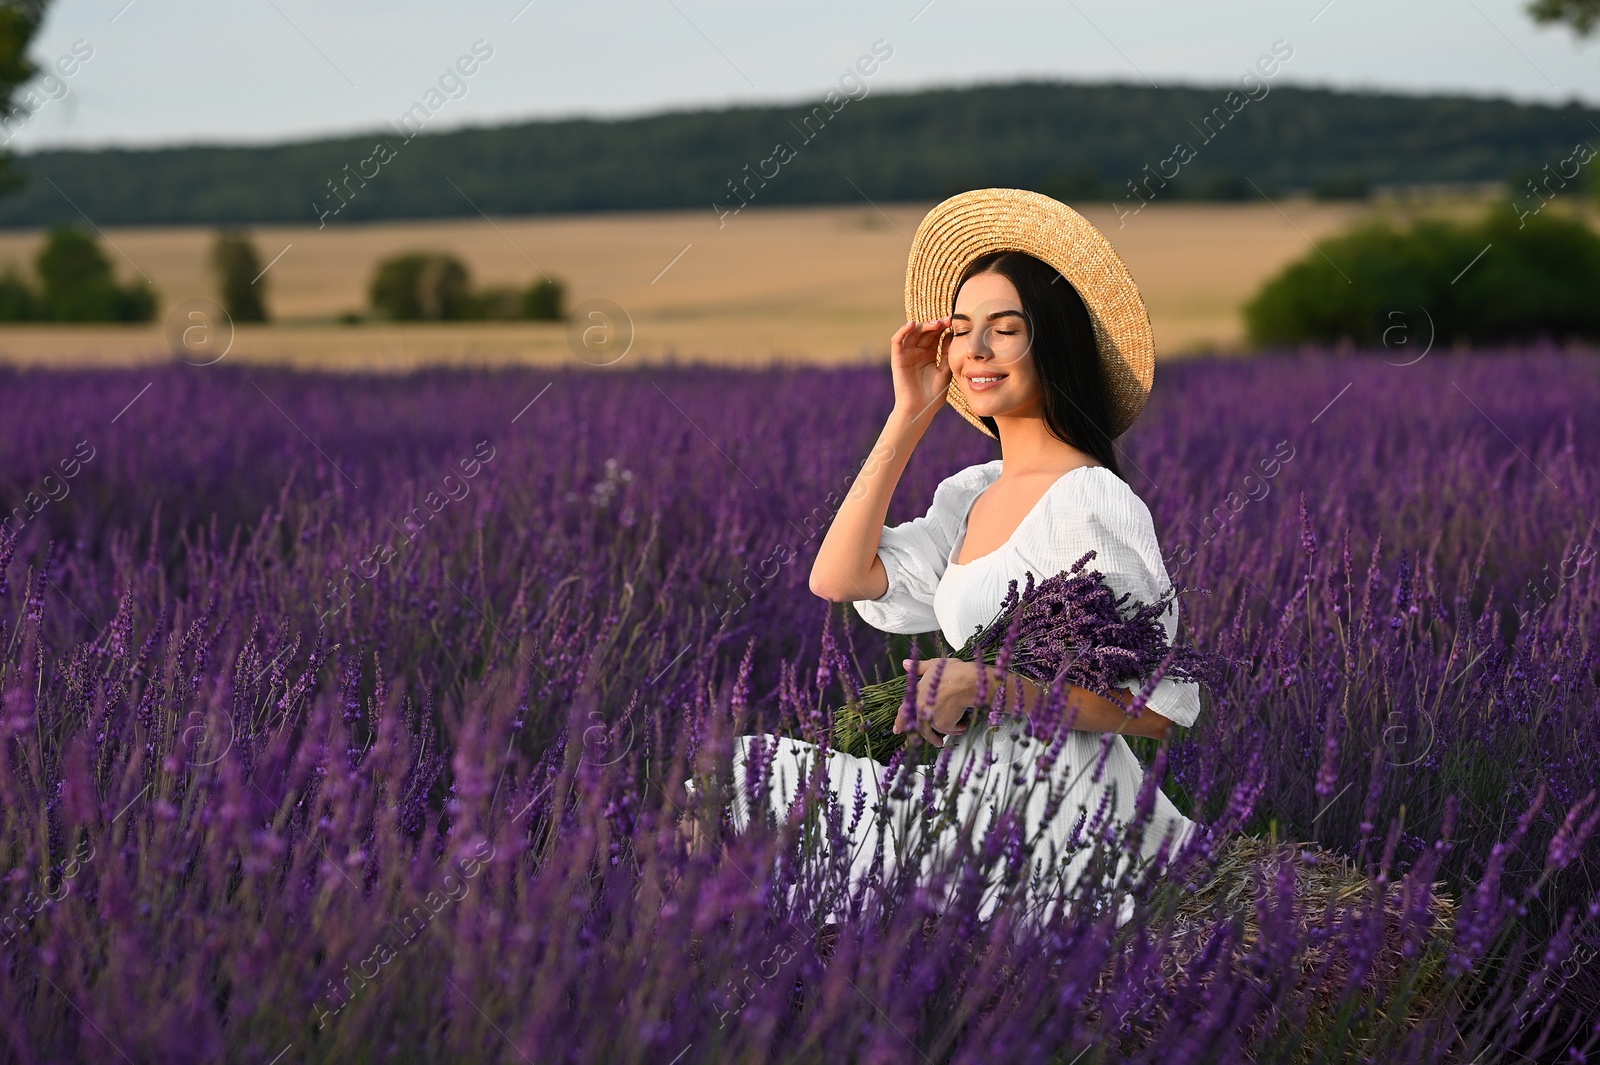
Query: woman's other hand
[
  {"x": 940, "y": 717},
  {"x": 919, "y": 385}
]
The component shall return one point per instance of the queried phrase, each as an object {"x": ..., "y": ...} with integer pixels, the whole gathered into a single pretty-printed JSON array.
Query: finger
[
  {"x": 905, "y": 720},
  {"x": 917, "y": 335},
  {"x": 917, "y": 718},
  {"x": 901, "y": 719},
  {"x": 928, "y": 334},
  {"x": 958, "y": 726}
]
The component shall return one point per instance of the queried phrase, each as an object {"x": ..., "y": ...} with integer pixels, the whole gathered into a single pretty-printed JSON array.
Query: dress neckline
[{"x": 961, "y": 533}]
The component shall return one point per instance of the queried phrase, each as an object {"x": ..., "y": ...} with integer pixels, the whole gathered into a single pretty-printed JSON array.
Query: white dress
[{"x": 1086, "y": 508}]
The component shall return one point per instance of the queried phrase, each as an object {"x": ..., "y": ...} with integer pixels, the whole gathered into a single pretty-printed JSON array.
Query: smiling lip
[{"x": 984, "y": 386}]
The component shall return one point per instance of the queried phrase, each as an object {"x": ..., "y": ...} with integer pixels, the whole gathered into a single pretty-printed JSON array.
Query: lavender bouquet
[{"x": 1071, "y": 627}]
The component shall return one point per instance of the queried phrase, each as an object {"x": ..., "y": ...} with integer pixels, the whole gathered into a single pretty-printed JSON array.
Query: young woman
[{"x": 1025, "y": 321}]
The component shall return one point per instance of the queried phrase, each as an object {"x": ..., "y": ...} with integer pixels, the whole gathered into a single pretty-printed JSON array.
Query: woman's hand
[
  {"x": 919, "y": 385},
  {"x": 942, "y": 716}
]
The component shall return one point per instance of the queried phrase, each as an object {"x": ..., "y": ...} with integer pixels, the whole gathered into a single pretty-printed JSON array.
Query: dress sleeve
[
  {"x": 915, "y": 554},
  {"x": 1099, "y": 511}
]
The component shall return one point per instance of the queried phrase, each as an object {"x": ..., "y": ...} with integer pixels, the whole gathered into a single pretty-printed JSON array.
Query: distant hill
[{"x": 1074, "y": 140}]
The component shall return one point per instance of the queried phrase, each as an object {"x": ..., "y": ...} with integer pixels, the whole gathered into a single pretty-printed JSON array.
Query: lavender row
[{"x": 346, "y": 718}]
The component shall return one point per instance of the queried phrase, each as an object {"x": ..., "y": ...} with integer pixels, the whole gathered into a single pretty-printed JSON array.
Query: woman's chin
[{"x": 983, "y": 405}]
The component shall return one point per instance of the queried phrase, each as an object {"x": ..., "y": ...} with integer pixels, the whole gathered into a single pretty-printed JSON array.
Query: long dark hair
[{"x": 1076, "y": 402}]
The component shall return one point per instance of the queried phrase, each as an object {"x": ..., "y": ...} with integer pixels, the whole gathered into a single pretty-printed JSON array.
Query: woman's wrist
[
  {"x": 1002, "y": 691},
  {"x": 1012, "y": 693},
  {"x": 911, "y": 424}
]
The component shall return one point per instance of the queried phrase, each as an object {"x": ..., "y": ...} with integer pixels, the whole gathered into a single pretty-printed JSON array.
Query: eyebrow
[{"x": 992, "y": 317}]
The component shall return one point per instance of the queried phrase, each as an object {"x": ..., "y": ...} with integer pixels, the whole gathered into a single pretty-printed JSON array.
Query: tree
[
  {"x": 16, "y": 298},
  {"x": 239, "y": 276},
  {"x": 542, "y": 300},
  {"x": 76, "y": 283},
  {"x": 1345, "y": 185},
  {"x": 1496, "y": 280},
  {"x": 1581, "y": 15},
  {"x": 499, "y": 303},
  {"x": 19, "y": 21},
  {"x": 421, "y": 285},
  {"x": 1077, "y": 183}
]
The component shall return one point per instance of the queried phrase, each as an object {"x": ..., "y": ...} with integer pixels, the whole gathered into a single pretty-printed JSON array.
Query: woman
[{"x": 1025, "y": 320}]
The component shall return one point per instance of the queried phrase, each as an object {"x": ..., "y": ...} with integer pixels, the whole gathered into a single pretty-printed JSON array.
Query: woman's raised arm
[{"x": 847, "y": 566}]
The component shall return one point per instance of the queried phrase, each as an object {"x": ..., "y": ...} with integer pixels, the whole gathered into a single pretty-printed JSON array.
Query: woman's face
[{"x": 991, "y": 346}]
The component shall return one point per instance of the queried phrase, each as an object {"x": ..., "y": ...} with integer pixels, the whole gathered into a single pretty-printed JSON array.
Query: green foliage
[
  {"x": 1495, "y": 280},
  {"x": 16, "y": 298},
  {"x": 137, "y": 304},
  {"x": 1224, "y": 185},
  {"x": 1077, "y": 183},
  {"x": 233, "y": 257},
  {"x": 500, "y": 303},
  {"x": 75, "y": 281},
  {"x": 1530, "y": 188},
  {"x": 1346, "y": 185},
  {"x": 19, "y": 21},
  {"x": 75, "y": 285},
  {"x": 421, "y": 286},
  {"x": 1581, "y": 15},
  {"x": 424, "y": 286},
  {"x": 543, "y": 300},
  {"x": 1082, "y": 141}
]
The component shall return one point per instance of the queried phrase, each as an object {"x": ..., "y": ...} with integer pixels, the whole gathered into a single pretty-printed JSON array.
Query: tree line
[
  {"x": 1076, "y": 141},
  {"x": 73, "y": 282}
]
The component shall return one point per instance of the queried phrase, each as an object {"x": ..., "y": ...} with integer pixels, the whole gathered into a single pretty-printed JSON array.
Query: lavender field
[{"x": 345, "y": 719}]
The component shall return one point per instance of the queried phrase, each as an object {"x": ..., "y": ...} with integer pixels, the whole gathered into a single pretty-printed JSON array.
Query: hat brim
[{"x": 975, "y": 223}]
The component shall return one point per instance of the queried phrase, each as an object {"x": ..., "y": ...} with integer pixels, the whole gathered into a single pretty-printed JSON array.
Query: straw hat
[{"x": 974, "y": 223}]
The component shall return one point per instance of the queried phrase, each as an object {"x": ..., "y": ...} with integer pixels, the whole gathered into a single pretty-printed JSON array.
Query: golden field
[{"x": 801, "y": 284}]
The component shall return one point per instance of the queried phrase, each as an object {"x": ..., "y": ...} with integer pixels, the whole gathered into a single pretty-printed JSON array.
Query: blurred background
[{"x": 337, "y": 186}]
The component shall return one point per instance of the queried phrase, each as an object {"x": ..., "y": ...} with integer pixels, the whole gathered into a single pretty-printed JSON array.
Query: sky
[{"x": 166, "y": 72}]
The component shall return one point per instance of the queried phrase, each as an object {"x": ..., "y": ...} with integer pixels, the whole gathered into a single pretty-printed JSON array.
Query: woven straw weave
[{"x": 974, "y": 223}]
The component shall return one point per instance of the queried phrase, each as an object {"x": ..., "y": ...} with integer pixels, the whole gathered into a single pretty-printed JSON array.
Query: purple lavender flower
[{"x": 1070, "y": 628}]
